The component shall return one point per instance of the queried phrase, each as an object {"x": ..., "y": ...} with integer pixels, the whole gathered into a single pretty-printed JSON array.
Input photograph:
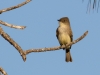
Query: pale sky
[{"x": 40, "y": 17}]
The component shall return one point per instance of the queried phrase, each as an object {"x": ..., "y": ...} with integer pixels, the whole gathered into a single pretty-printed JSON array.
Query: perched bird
[{"x": 64, "y": 35}]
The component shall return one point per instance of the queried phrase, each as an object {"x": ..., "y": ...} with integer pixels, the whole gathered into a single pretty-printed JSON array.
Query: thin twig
[
  {"x": 92, "y": 4},
  {"x": 98, "y": 5},
  {"x": 56, "y": 48},
  {"x": 88, "y": 6},
  {"x": 2, "y": 71},
  {"x": 11, "y": 25},
  {"x": 14, "y": 7},
  {"x": 12, "y": 42}
]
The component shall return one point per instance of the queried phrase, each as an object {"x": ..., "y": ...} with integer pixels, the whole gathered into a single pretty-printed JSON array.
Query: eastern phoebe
[{"x": 64, "y": 35}]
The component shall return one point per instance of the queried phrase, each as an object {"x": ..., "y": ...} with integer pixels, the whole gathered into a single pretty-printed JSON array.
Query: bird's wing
[{"x": 57, "y": 33}]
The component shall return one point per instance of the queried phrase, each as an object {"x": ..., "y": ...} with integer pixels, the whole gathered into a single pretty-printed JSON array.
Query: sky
[{"x": 40, "y": 18}]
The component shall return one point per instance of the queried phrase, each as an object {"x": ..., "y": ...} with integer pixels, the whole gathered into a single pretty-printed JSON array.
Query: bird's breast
[{"x": 64, "y": 38}]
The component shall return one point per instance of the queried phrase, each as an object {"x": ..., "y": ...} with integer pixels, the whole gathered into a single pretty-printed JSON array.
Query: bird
[{"x": 65, "y": 36}]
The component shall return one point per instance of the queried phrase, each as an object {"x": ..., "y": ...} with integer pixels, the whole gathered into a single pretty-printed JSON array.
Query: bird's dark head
[{"x": 64, "y": 20}]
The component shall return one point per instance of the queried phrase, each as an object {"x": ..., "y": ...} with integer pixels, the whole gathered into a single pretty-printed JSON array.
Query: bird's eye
[{"x": 63, "y": 20}]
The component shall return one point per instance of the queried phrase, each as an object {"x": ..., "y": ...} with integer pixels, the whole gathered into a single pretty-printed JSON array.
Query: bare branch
[
  {"x": 55, "y": 48},
  {"x": 11, "y": 25},
  {"x": 12, "y": 42},
  {"x": 24, "y": 53},
  {"x": 2, "y": 71},
  {"x": 14, "y": 7}
]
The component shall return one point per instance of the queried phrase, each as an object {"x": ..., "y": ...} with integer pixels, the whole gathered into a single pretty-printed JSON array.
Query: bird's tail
[{"x": 68, "y": 56}]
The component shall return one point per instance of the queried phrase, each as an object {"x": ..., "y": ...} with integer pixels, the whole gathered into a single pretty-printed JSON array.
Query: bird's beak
[{"x": 58, "y": 20}]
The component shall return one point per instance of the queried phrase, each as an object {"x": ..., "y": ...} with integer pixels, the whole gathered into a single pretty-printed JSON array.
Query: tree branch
[
  {"x": 56, "y": 48},
  {"x": 2, "y": 71},
  {"x": 14, "y": 7},
  {"x": 11, "y": 25},
  {"x": 12, "y": 42}
]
